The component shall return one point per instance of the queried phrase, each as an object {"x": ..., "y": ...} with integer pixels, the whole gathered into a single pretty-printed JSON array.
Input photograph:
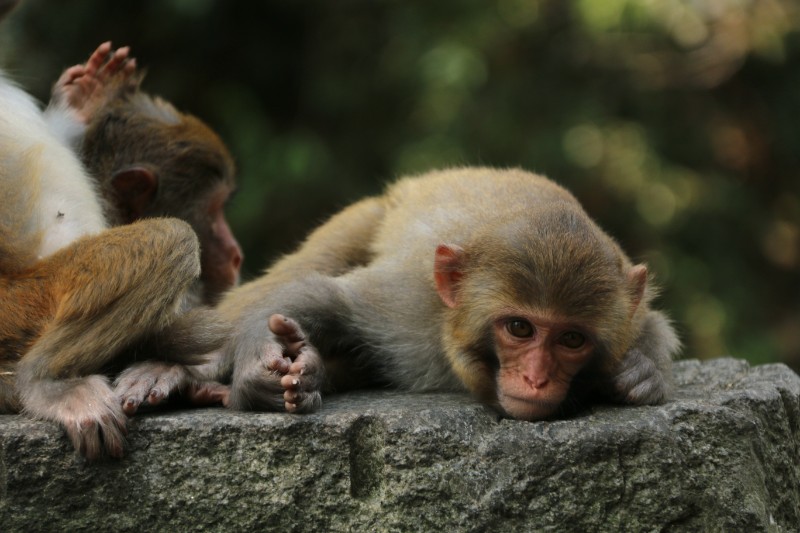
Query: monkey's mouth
[{"x": 530, "y": 409}]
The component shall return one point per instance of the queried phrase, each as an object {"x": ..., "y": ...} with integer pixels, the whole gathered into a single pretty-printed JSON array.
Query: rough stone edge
[{"x": 758, "y": 406}]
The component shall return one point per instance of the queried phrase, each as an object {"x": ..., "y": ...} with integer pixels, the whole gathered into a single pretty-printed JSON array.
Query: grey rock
[{"x": 723, "y": 455}]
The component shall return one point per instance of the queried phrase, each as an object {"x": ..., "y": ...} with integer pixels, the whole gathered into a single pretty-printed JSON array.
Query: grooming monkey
[
  {"x": 150, "y": 160},
  {"x": 73, "y": 293},
  {"x": 490, "y": 281}
]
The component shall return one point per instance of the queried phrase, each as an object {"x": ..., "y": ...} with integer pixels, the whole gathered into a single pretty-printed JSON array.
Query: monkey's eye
[
  {"x": 572, "y": 340},
  {"x": 520, "y": 328}
]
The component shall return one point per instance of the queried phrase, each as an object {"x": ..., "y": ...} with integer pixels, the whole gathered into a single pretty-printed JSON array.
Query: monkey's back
[{"x": 447, "y": 206}]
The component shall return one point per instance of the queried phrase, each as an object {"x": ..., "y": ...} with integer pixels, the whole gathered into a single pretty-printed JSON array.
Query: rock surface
[{"x": 724, "y": 455}]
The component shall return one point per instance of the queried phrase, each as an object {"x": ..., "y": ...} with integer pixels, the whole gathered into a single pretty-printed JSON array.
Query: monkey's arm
[{"x": 644, "y": 376}]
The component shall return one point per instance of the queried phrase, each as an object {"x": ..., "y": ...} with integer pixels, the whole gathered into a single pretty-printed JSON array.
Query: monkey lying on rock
[{"x": 491, "y": 281}]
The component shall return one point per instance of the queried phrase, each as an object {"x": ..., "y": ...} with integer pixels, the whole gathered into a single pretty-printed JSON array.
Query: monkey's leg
[
  {"x": 300, "y": 286},
  {"x": 277, "y": 362},
  {"x": 118, "y": 286},
  {"x": 644, "y": 376},
  {"x": 341, "y": 244}
]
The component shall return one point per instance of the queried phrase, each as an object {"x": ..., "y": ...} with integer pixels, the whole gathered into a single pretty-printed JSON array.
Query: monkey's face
[
  {"x": 221, "y": 256},
  {"x": 538, "y": 356}
]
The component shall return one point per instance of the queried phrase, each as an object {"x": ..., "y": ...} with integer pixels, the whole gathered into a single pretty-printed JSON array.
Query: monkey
[
  {"x": 494, "y": 282},
  {"x": 73, "y": 291},
  {"x": 151, "y": 160}
]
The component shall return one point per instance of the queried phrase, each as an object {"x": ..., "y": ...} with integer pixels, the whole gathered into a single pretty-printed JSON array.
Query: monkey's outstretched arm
[{"x": 115, "y": 288}]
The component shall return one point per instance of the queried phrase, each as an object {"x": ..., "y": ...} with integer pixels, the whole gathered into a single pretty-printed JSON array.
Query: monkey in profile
[
  {"x": 74, "y": 293},
  {"x": 150, "y": 160},
  {"x": 491, "y": 281}
]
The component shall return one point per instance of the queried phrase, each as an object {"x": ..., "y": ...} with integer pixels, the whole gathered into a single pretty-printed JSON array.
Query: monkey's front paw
[
  {"x": 638, "y": 381},
  {"x": 149, "y": 382}
]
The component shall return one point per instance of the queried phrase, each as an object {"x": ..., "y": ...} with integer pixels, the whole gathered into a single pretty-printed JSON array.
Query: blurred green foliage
[{"x": 677, "y": 123}]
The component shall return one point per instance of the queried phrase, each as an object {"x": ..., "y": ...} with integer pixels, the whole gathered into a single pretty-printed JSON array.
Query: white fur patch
[{"x": 61, "y": 203}]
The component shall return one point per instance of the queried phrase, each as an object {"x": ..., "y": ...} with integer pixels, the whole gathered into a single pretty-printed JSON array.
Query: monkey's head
[
  {"x": 534, "y": 301},
  {"x": 152, "y": 160}
]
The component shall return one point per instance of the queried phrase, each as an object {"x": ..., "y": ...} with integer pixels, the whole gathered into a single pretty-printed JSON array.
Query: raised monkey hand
[{"x": 84, "y": 89}]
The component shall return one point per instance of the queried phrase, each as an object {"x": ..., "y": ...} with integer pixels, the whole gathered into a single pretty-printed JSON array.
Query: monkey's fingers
[
  {"x": 116, "y": 63},
  {"x": 92, "y": 435},
  {"x": 98, "y": 58},
  {"x": 68, "y": 77},
  {"x": 130, "y": 67},
  {"x": 278, "y": 364},
  {"x": 172, "y": 378},
  {"x": 133, "y": 386}
]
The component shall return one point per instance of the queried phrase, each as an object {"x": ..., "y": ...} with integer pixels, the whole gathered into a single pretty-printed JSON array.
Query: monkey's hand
[
  {"x": 84, "y": 89},
  {"x": 152, "y": 382},
  {"x": 88, "y": 410},
  {"x": 287, "y": 375},
  {"x": 644, "y": 376},
  {"x": 639, "y": 382}
]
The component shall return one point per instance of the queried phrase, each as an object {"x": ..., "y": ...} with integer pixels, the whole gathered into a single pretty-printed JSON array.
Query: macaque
[
  {"x": 74, "y": 294},
  {"x": 490, "y": 281},
  {"x": 150, "y": 160}
]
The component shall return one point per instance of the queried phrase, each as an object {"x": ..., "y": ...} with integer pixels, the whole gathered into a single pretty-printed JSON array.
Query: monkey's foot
[
  {"x": 88, "y": 410},
  {"x": 300, "y": 366},
  {"x": 638, "y": 381},
  {"x": 152, "y": 382},
  {"x": 84, "y": 89}
]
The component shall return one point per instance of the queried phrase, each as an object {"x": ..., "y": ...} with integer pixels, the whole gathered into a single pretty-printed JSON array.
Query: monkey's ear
[
  {"x": 448, "y": 271},
  {"x": 135, "y": 188},
  {"x": 637, "y": 280}
]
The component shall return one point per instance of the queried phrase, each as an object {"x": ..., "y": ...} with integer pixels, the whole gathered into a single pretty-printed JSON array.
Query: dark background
[{"x": 677, "y": 124}]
